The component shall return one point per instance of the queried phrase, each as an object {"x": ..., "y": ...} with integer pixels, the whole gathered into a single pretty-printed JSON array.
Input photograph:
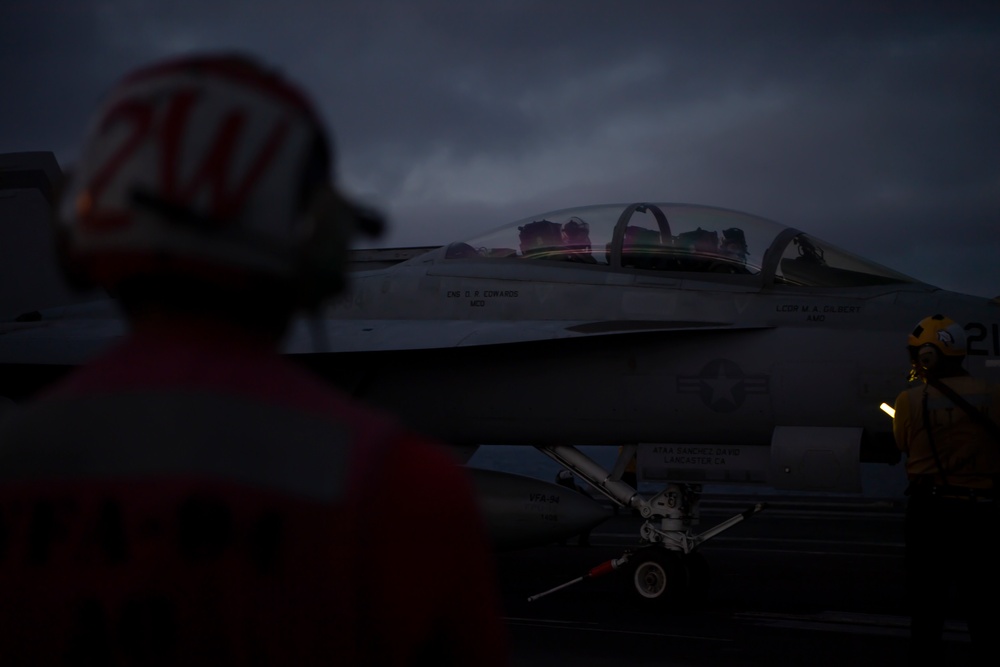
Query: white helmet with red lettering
[{"x": 209, "y": 166}]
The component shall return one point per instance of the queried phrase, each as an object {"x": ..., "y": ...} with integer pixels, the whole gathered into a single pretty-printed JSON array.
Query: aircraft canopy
[{"x": 676, "y": 237}]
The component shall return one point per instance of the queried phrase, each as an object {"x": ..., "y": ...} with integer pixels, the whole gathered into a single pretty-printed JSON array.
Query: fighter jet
[
  {"x": 711, "y": 345},
  {"x": 717, "y": 346}
]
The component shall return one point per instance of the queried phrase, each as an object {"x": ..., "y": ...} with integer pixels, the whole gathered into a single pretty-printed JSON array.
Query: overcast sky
[{"x": 870, "y": 124}]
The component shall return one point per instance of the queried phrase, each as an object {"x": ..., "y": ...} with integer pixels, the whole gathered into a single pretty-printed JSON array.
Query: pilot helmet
[
  {"x": 936, "y": 341},
  {"x": 539, "y": 235},
  {"x": 734, "y": 243},
  {"x": 213, "y": 167},
  {"x": 576, "y": 228}
]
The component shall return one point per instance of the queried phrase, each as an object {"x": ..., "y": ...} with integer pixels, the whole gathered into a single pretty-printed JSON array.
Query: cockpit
[{"x": 676, "y": 238}]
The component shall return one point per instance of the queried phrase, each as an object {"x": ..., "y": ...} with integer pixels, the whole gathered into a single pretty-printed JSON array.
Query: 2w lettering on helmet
[
  {"x": 215, "y": 169},
  {"x": 212, "y": 164},
  {"x": 140, "y": 117}
]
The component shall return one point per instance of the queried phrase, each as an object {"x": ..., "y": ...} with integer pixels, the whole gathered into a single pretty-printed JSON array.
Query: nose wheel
[{"x": 656, "y": 574}]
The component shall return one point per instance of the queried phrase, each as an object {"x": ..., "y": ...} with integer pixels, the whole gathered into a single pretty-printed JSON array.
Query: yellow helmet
[{"x": 943, "y": 333}]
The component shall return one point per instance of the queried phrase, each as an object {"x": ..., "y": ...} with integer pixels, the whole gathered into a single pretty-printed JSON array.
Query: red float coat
[{"x": 192, "y": 498}]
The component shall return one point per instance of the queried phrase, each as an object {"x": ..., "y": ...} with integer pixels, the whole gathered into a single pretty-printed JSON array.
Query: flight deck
[{"x": 808, "y": 581}]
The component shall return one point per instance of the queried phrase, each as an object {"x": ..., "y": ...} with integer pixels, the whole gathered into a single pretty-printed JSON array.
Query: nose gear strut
[{"x": 667, "y": 563}]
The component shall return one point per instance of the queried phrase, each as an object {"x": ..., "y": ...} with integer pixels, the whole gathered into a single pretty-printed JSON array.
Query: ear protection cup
[
  {"x": 74, "y": 272},
  {"x": 936, "y": 345},
  {"x": 322, "y": 256},
  {"x": 927, "y": 357}
]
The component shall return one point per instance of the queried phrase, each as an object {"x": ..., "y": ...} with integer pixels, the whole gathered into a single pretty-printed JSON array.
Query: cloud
[{"x": 872, "y": 125}]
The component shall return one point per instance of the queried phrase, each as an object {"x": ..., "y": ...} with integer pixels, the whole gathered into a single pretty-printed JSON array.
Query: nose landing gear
[{"x": 668, "y": 566}]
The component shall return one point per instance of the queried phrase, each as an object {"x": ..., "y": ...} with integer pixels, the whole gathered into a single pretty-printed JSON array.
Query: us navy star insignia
[{"x": 722, "y": 385}]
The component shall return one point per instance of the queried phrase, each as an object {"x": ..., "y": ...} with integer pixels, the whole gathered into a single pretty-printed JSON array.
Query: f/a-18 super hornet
[
  {"x": 708, "y": 346},
  {"x": 713, "y": 345}
]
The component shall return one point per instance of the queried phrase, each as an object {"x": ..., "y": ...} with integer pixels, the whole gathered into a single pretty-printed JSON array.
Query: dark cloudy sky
[{"x": 874, "y": 125}]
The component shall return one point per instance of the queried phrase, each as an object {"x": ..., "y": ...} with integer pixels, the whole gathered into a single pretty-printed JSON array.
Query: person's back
[
  {"x": 946, "y": 428},
  {"x": 203, "y": 500},
  {"x": 193, "y": 497},
  {"x": 968, "y": 453}
]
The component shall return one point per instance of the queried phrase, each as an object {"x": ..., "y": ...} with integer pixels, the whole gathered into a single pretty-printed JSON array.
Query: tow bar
[{"x": 606, "y": 567}]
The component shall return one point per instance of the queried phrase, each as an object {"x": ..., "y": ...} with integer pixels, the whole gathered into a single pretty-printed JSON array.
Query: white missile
[{"x": 522, "y": 512}]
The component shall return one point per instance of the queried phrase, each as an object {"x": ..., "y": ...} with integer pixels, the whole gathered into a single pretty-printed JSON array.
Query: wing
[{"x": 311, "y": 336}]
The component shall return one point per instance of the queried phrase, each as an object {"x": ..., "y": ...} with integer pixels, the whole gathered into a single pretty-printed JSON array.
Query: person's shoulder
[
  {"x": 422, "y": 451},
  {"x": 909, "y": 391},
  {"x": 903, "y": 401},
  {"x": 971, "y": 384},
  {"x": 425, "y": 462},
  {"x": 301, "y": 388}
]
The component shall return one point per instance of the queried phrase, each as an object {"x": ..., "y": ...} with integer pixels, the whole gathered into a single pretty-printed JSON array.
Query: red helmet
[{"x": 211, "y": 166}]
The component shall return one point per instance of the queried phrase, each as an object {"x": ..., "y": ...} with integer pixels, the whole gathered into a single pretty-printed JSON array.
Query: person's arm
[{"x": 901, "y": 422}]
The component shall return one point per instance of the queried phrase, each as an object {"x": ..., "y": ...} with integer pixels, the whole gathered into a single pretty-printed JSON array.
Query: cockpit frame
[{"x": 682, "y": 241}]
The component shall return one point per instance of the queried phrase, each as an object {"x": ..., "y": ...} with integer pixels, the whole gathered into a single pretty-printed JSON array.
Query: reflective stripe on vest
[{"x": 160, "y": 433}]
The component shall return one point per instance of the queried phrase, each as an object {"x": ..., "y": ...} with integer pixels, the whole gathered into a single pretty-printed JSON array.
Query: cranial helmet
[
  {"x": 208, "y": 166},
  {"x": 945, "y": 334},
  {"x": 936, "y": 345}
]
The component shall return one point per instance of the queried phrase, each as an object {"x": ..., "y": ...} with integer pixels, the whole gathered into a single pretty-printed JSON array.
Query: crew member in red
[
  {"x": 192, "y": 497},
  {"x": 946, "y": 427}
]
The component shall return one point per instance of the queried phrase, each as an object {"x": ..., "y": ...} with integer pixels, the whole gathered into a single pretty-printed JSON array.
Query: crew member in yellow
[{"x": 947, "y": 428}]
